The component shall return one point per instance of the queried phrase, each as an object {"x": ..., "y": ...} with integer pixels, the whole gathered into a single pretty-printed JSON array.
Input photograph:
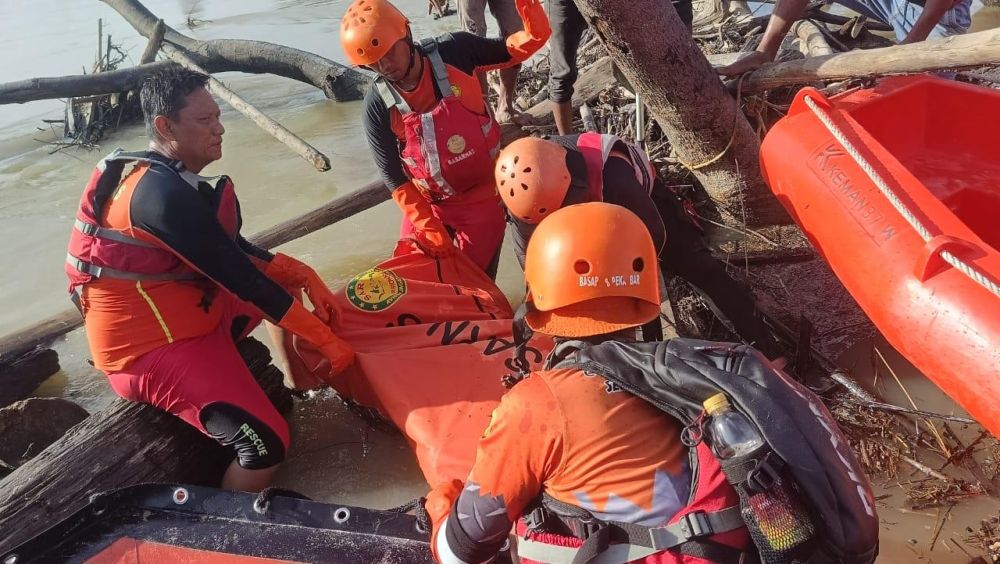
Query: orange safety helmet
[
  {"x": 370, "y": 28},
  {"x": 532, "y": 178},
  {"x": 591, "y": 269}
]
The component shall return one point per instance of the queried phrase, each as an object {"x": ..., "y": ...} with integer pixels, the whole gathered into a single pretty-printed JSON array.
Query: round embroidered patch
[
  {"x": 375, "y": 289},
  {"x": 456, "y": 144}
]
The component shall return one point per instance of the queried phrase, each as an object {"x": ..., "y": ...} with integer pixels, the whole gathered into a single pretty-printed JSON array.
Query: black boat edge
[{"x": 213, "y": 521}]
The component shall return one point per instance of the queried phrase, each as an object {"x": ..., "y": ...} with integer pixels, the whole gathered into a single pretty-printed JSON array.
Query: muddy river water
[{"x": 332, "y": 457}]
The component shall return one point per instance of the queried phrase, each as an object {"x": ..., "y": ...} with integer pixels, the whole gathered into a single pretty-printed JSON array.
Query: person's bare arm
[
  {"x": 934, "y": 10},
  {"x": 786, "y": 12}
]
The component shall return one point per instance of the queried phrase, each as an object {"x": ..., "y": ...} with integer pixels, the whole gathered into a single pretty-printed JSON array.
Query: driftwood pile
[{"x": 89, "y": 117}]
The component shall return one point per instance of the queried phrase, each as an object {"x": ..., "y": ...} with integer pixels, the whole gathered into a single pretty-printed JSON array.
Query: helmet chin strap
[{"x": 413, "y": 60}]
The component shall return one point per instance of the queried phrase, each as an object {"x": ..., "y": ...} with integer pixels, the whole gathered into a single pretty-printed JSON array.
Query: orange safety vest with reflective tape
[{"x": 449, "y": 149}]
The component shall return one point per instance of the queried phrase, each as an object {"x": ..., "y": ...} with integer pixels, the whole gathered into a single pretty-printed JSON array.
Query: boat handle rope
[
  {"x": 886, "y": 191},
  {"x": 423, "y": 524},
  {"x": 263, "y": 501}
]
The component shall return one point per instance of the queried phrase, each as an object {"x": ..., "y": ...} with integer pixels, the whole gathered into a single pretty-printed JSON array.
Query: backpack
[{"x": 804, "y": 448}]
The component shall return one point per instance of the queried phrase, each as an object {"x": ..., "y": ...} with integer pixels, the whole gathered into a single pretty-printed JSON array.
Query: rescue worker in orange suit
[
  {"x": 537, "y": 176},
  {"x": 429, "y": 127},
  {"x": 568, "y": 434},
  {"x": 167, "y": 284}
]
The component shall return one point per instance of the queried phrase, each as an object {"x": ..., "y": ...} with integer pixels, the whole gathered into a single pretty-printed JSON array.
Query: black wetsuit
[{"x": 185, "y": 219}]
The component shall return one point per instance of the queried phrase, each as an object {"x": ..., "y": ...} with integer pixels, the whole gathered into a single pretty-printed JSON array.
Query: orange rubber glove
[
  {"x": 430, "y": 232},
  {"x": 294, "y": 273},
  {"x": 524, "y": 44},
  {"x": 300, "y": 321},
  {"x": 438, "y": 506}
]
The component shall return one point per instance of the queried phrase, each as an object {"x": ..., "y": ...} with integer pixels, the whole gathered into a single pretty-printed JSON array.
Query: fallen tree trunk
[
  {"x": 370, "y": 195},
  {"x": 28, "y": 427},
  {"x": 652, "y": 47},
  {"x": 278, "y": 131},
  {"x": 77, "y": 86},
  {"x": 40, "y": 334},
  {"x": 954, "y": 52},
  {"x": 153, "y": 46},
  {"x": 127, "y": 443},
  {"x": 20, "y": 377},
  {"x": 338, "y": 82}
]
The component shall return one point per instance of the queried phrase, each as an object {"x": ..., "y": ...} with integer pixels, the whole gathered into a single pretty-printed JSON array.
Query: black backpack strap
[
  {"x": 758, "y": 472},
  {"x": 687, "y": 535}
]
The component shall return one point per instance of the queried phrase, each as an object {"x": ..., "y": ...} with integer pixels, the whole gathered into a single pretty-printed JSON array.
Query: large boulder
[{"x": 28, "y": 426}]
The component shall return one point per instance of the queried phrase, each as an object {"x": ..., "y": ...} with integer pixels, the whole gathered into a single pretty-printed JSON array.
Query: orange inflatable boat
[{"x": 898, "y": 187}]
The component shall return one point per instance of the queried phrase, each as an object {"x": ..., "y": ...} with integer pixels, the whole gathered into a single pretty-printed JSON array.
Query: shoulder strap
[
  {"x": 390, "y": 97},
  {"x": 112, "y": 167},
  {"x": 645, "y": 173},
  {"x": 438, "y": 68}
]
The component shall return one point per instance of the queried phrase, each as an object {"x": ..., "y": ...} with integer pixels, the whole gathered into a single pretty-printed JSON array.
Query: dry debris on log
[
  {"x": 89, "y": 117},
  {"x": 987, "y": 537}
]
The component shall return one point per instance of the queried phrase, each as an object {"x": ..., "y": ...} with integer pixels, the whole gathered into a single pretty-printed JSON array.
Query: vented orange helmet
[
  {"x": 532, "y": 178},
  {"x": 591, "y": 269},
  {"x": 370, "y": 28}
]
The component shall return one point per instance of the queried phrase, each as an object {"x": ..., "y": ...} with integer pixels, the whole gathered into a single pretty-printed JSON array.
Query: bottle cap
[{"x": 715, "y": 403}]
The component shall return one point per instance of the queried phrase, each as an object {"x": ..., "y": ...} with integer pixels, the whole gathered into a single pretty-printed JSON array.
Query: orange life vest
[
  {"x": 597, "y": 147},
  {"x": 449, "y": 149},
  {"x": 134, "y": 292}
]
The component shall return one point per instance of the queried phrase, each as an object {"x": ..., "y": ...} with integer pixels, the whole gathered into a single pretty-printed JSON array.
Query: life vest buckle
[
  {"x": 86, "y": 228},
  {"x": 696, "y": 524},
  {"x": 535, "y": 519},
  {"x": 541, "y": 519},
  {"x": 584, "y": 528}
]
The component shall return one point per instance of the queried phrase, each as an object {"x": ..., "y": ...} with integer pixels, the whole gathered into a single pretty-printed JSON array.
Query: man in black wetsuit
[{"x": 167, "y": 284}]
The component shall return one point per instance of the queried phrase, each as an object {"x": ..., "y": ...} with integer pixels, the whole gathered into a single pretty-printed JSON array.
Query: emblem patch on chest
[{"x": 456, "y": 144}]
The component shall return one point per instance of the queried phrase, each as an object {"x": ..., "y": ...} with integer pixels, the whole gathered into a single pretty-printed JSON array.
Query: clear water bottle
[
  {"x": 732, "y": 433},
  {"x": 776, "y": 518}
]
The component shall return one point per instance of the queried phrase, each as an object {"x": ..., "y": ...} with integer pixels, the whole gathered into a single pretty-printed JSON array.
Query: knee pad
[{"x": 257, "y": 445}]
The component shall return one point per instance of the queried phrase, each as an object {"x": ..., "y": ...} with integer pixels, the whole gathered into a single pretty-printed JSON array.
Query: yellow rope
[{"x": 732, "y": 137}]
